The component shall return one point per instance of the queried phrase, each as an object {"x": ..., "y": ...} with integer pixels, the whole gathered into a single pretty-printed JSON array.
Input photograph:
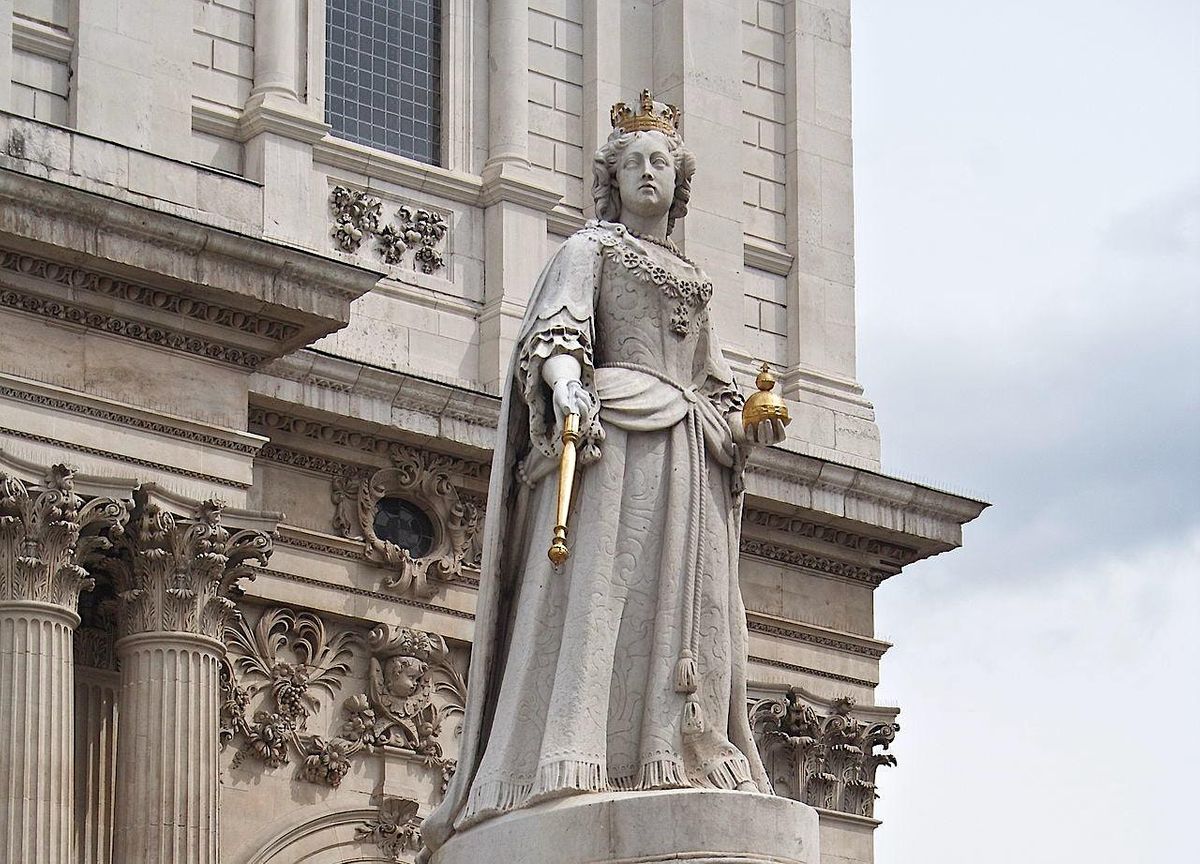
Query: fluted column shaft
[
  {"x": 36, "y": 732},
  {"x": 95, "y": 763},
  {"x": 167, "y": 769}
]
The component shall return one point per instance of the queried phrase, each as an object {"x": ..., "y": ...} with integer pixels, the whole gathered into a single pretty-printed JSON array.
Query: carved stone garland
[
  {"x": 357, "y": 216},
  {"x": 291, "y": 658},
  {"x": 825, "y": 761},
  {"x": 422, "y": 478},
  {"x": 395, "y": 830}
]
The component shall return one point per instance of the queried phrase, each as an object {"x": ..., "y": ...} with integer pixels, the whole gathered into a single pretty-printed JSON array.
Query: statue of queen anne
[{"x": 624, "y": 669}]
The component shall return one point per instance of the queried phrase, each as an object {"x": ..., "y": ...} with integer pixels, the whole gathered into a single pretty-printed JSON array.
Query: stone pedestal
[
  {"x": 692, "y": 825},
  {"x": 37, "y": 729},
  {"x": 167, "y": 760}
]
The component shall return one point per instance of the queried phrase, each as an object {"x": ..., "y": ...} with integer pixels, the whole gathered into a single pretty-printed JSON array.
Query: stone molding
[
  {"x": 823, "y": 754},
  {"x": 802, "y": 527},
  {"x": 763, "y": 256},
  {"x": 810, "y": 561},
  {"x": 395, "y": 828},
  {"x": 330, "y": 432},
  {"x": 811, "y": 634},
  {"x": 177, "y": 574},
  {"x": 70, "y": 313},
  {"x": 46, "y": 396},
  {"x": 816, "y": 673},
  {"x": 121, "y": 457},
  {"x": 367, "y": 592},
  {"x": 48, "y": 537}
]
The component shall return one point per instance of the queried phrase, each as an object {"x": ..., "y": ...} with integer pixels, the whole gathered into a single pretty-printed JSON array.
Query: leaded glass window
[{"x": 383, "y": 75}]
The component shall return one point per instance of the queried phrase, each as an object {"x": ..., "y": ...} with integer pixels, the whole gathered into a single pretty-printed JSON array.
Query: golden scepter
[{"x": 558, "y": 550}]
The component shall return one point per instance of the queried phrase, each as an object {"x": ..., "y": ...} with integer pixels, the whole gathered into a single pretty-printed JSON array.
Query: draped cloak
[{"x": 575, "y": 680}]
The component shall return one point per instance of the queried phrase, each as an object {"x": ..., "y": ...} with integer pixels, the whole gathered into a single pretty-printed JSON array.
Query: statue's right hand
[{"x": 571, "y": 397}]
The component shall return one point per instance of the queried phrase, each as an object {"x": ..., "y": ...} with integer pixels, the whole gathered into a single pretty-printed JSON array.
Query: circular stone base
[{"x": 697, "y": 826}]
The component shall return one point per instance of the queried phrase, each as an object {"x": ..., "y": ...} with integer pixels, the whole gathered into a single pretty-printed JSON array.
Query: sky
[{"x": 1027, "y": 194}]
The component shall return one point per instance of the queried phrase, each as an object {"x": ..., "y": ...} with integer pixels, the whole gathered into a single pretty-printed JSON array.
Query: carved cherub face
[
  {"x": 646, "y": 175},
  {"x": 403, "y": 675}
]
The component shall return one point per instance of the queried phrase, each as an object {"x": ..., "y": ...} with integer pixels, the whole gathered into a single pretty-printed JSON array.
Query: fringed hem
[
  {"x": 663, "y": 774},
  {"x": 730, "y": 773},
  {"x": 570, "y": 776}
]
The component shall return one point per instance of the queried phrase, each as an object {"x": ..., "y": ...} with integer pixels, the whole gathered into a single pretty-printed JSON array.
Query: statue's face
[
  {"x": 646, "y": 175},
  {"x": 403, "y": 676}
]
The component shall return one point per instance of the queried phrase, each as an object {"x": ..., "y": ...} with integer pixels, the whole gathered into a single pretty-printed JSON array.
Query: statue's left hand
[{"x": 765, "y": 432}]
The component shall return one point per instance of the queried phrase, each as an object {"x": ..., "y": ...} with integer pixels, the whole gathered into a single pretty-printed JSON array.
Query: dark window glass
[
  {"x": 371, "y": 47},
  {"x": 404, "y": 524}
]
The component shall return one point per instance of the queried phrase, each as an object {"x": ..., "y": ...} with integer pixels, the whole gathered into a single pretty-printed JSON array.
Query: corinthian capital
[
  {"x": 49, "y": 536},
  {"x": 180, "y": 573}
]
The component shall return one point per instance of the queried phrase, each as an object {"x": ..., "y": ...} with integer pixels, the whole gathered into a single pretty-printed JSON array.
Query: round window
[{"x": 404, "y": 524}]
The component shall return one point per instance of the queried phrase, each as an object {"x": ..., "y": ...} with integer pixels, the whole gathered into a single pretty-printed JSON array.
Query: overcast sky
[{"x": 1027, "y": 181}]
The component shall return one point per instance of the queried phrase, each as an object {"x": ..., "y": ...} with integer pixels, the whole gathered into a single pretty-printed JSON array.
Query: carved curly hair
[{"x": 604, "y": 170}]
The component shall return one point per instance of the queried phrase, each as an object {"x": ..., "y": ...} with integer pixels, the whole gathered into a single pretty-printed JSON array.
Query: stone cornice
[
  {"x": 503, "y": 182},
  {"x": 790, "y": 555},
  {"x": 294, "y": 296},
  {"x": 816, "y": 673}
]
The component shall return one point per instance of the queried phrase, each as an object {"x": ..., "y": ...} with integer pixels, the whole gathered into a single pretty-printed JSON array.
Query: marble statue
[{"x": 623, "y": 669}]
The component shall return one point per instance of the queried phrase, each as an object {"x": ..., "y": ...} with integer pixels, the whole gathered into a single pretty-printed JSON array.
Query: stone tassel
[
  {"x": 167, "y": 770},
  {"x": 37, "y": 732},
  {"x": 95, "y": 763}
]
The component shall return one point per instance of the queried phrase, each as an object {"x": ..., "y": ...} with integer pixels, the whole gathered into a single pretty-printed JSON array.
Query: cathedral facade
[{"x": 262, "y": 267}]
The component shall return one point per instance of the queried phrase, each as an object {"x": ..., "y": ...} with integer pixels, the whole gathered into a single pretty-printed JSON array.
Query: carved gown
[{"x": 625, "y": 668}]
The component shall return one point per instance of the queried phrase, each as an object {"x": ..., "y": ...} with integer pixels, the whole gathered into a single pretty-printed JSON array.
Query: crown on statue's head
[{"x": 651, "y": 117}]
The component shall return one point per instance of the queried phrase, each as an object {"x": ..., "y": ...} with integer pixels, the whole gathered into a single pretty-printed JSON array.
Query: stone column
[
  {"x": 276, "y": 48},
  {"x": 508, "y": 84},
  {"x": 175, "y": 580},
  {"x": 45, "y": 535},
  {"x": 96, "y": 684}
]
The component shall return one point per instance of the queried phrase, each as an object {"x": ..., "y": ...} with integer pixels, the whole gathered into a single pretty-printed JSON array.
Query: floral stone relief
[
  {"x": 281, "y": 668},
  {"x": 357, "y": 216}
]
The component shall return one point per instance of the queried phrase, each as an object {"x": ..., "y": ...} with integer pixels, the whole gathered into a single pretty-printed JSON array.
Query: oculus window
[
  {"x": 404, "y": 524},
  {"x": 383, "y": 75}
]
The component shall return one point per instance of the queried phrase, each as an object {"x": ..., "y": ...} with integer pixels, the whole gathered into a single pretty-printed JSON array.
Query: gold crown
[{"x": 664, "y": 120}]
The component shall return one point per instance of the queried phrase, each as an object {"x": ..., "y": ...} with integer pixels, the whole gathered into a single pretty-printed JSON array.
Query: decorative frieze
[
  {"x": 395, "y": 830},
  {"x": 181, "y": 574},
  {"x": 49, "y": 535},
  {"x": 357, "y": 216},
  {"x": 422, "y": 478},
  {"x": 827, "y": 760}
]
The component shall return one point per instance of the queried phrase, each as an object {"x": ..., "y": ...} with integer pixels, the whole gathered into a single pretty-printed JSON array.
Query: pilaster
[
  {"x": 698, "y": 68},
  {"x": 175, "y": 580},
  {"x": 46, "y": 534},
  {"x": 6, "y": 50}
]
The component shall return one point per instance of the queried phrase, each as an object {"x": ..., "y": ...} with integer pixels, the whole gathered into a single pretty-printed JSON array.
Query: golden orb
[{"x": 765, "y": 404}]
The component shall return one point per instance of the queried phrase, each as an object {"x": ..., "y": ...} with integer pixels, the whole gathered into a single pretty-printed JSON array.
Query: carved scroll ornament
[
  {"x": 825, "y": 760},
  {"x": 423, "y": 479},
  {"x": 395, "y": 830}
]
